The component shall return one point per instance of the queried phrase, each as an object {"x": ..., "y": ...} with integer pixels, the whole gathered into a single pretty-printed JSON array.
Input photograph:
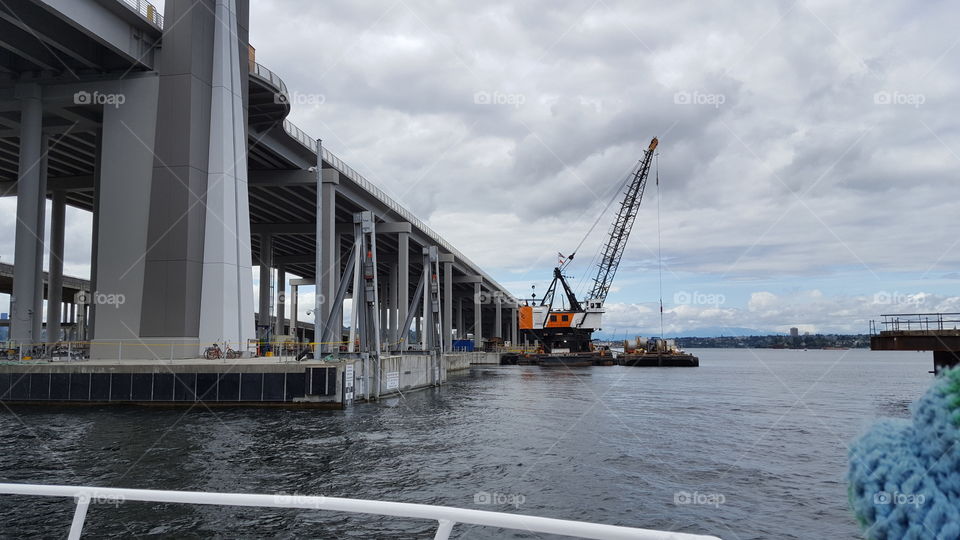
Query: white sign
[{"x": 393, "y": 380}]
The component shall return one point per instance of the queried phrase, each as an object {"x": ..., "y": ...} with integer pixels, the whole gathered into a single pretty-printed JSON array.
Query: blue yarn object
[{"x": 905, "y": 474}]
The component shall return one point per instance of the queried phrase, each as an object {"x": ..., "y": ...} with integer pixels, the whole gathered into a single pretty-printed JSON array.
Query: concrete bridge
[{"x": 177, "y": 141}]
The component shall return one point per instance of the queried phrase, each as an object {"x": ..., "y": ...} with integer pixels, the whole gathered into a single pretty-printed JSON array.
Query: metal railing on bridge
[
  {"x": 916, "y": 322},
  {"x": 269, "y": 76},
  {"x": 147, "y": 10}
]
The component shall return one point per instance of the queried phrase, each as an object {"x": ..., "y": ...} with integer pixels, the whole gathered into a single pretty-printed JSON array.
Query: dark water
[{"x": 758, "y": 438}]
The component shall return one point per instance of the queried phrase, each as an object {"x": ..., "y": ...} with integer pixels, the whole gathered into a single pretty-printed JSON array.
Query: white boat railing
[{"x": 445, "y": 516}]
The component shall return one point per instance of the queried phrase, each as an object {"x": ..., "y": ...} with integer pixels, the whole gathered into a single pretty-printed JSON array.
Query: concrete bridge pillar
[
  {"x": 394, "y": 299},
  {"x": 172, "y": 212},
  {"x": 294, "y": 301},
  {"x": 266, "y": 282},
  {"x": 25, "y": 317},
  {"x": 328, "y": 257},
  {"x": 55, "y": 280},
  {"x": 446, "y": 261},
  {"x": 460, "y": 332},
  {"x": 281, "y": 301},
  {"x": 403, "y": 286},
  {"x": 477, "y": 317},
  {"x": 497, "y": 317}
]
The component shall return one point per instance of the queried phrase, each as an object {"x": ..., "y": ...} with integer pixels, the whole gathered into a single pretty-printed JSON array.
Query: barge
[{"x": 655, "y": 352}]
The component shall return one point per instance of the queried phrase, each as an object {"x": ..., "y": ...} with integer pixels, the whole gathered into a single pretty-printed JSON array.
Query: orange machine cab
[{"x": 559, "y": 319}]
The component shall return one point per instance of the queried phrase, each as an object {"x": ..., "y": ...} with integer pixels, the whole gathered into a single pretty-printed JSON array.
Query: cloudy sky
[{"x": 807, "y": 157}]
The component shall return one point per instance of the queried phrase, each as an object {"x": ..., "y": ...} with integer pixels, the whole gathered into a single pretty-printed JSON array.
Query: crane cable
[
  {"x": 616, "y": 196},
  {"x": 659, "y": 246}
]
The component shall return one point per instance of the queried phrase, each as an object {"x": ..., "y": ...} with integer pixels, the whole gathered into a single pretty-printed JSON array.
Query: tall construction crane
[{"x": 570, "y": 328}]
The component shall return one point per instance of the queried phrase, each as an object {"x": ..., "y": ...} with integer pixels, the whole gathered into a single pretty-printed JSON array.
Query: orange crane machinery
[{"x": 570, "y": 329}]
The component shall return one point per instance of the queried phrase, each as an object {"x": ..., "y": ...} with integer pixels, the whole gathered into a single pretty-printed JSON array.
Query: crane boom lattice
[{"x": 622, "y": 224}]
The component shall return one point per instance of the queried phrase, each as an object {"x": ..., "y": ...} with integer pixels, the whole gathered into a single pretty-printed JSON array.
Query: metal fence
[
  {"x": 147, "y": 10},
  {"x": 269, "y": 76},
  {"x": 916, "y": 322}
]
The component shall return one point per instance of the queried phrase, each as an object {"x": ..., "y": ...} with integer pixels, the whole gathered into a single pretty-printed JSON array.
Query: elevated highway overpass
[{"x": 178, "y": 142}]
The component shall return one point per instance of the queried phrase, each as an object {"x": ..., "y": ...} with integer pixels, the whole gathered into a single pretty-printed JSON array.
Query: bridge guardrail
[{"x": 147, "y": 10}]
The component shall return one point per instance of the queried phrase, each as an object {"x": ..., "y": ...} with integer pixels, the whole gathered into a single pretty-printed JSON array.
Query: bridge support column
[
  {"x": 281, "y": 301},
  {"x": 25, "y": 318},
  {"x": 294, "y": 306},
  {"x": 121, "y": 225},
  {"x": 514, "y": 327},
  {"x": 394, "y": 299},
  {"x": 477, "y": 318},
  {"x": 497, "y": 316},
  {"x": 460, "y": 333},
  {"x": 403, "y": 287},
  {"x": 446, "y": 261},
  {"x": 327, "y": 271},
  {"x": 55, "y": 281},
  {"x": 266, "y": 282}
]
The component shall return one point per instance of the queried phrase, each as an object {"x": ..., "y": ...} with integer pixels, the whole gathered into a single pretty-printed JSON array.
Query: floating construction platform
[
  {"x": 676, "y": 359},
  {"x": 936, "y": 332}
]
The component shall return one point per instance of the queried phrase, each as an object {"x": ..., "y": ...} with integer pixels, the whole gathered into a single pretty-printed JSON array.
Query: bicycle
[{"x": 213, "y": 353}]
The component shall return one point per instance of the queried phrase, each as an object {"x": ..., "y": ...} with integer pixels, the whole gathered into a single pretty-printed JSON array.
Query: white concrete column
[
  {"x": 497, "y": 316},
  {"x": 294, "y": 305},
  {"x": 55, "y": 281},
  {"x": 447, "y": 314},
  {"x": 418, "y": 330},
  {"x": 31, "y": 198},
  {"x": 477, "y": 317},
  {"x": 394, "y": 298},
  {"x": 403, "y": 286},
  {"x": 226, "y": 296},
  {"x": 281, "y": 301},
  {"x": 460, "y": 333},
  {"x": 266, "y": 280},
  {"x": 328, "y": 260}
]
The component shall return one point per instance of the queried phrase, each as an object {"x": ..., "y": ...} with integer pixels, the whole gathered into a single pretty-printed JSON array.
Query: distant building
[{"x": 794, "y": 332}]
